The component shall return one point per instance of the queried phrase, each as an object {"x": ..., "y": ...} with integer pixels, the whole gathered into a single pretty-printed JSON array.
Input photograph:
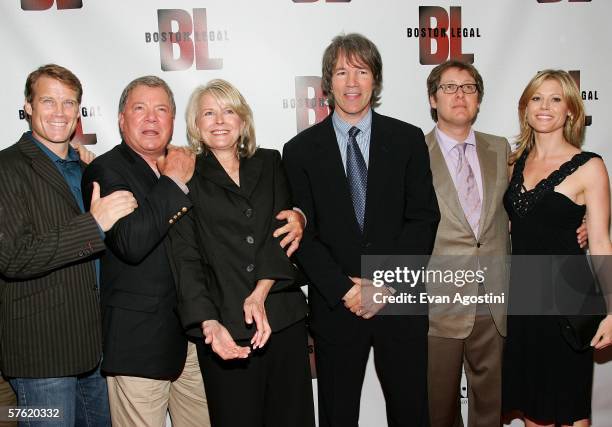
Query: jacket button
[
  {"x": 250, "y": 268},
  {"x": 478, "y": 244},
  {"x": 250, "y": 240},
  {"x": 248, "y": 212},
  {"x": 171, "y": 221},
  {"x": 183, "y": 209}
]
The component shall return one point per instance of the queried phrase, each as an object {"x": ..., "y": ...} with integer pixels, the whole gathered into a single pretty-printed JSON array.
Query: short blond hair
[{"x": 226, "y": 94}]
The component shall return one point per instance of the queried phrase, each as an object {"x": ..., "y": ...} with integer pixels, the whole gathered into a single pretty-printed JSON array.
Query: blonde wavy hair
[
  {"x": 573, "y": 130},
  {"x": 226, "y": 94}
]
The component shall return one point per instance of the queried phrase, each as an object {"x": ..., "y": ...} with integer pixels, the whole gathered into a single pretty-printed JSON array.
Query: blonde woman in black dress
[{"x": 553, "y": 184}]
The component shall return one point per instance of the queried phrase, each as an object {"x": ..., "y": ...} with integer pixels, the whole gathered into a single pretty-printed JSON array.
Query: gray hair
[{"x": 149, "y": 81}]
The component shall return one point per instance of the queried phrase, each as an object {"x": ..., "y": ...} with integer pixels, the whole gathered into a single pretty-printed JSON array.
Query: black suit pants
[{"x": 400, "y": 359}]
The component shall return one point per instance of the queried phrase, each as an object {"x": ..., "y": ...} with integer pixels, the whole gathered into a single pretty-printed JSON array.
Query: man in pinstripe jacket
[{"x": 49, "y": 314}]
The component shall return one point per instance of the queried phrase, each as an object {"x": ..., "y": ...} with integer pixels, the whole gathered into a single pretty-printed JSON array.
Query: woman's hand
[
  {"x": 296, "y": 221},
  {"x": 222, "y": 342},
  {"x": 603, "y": 336},
  {"x": 255, "y": 310}
]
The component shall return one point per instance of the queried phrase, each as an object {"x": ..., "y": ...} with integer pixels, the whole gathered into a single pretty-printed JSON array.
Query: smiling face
[
  {"x": 53, "y": 112},
  {"x": 220, "y": 126},
  {"x": 547, "y": 110},
  {"x": 455, "y": 110},
  {"x": 351, "y": 85},
  {"x": 147, "y": 121}
]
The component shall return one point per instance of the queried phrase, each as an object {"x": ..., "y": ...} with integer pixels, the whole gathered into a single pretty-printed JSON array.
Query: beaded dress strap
[{"x": 524, "y": 201}]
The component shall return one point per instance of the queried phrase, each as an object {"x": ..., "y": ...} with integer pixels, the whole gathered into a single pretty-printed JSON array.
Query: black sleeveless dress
[{"x": 543, "y": 377}]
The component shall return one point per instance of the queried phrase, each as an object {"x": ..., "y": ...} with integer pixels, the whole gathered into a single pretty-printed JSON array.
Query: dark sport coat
[
  {"x": 142, "y": 332},
  {"x": 49, "y": 312}
]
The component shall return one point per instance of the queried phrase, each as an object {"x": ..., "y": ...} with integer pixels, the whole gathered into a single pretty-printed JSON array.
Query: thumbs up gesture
[{"x": 109, "y": 209}]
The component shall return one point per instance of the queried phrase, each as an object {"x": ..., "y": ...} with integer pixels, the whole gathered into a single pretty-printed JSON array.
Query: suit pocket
[
  {"x": 38, "y": 302},
  {"x": 132, "y": 301}
]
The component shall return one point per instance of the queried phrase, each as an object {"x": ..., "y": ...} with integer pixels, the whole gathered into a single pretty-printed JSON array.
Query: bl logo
[
  {"x": 83, "y": 138},
  {"x": 585, "y": 95},
  {"x": 447, "y": 34},
  {"x": 191, "y": 38},
  {"x": 311, "y": 106},
  {"x": 48, "y": 4}
]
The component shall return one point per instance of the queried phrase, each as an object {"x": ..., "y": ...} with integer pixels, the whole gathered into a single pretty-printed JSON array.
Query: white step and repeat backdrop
[{"x": 271, "y": 50}]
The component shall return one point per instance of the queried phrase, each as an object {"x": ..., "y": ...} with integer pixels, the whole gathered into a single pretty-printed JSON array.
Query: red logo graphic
[
  {"x": 83, "y": 138},
  {"x": 311, "y": 106},
  {"x": 559, "y": 1},
  {"x": 586, "y": 95},
  {"x": 191, "y": 38},
  {"x": 326, "y": 1},
  {"x": 447, "y": 34},
  {"x": 47, "y": 4}
]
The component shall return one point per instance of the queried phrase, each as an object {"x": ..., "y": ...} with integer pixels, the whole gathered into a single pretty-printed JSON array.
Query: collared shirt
[
  {"x": 363, "y": 138},
  {"x": 447, "y": 146},
  {"x": 70, "y": 168}
]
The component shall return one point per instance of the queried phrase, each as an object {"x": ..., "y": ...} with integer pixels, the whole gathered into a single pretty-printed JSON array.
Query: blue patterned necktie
[{"x": 357, "y": 175}]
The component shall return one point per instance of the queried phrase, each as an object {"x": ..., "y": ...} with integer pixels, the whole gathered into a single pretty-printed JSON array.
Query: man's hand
[
  {"x": 222, "y": 342},
  {"x": 85, "y": 155},
  {"x": 294, "y": 230},
  {"x": 178, "y": 164},
  {"x": 352, "y": 299},
  {"x": 360, "y": 298},
  {"x": 582, "y": 234},
  {"x": 108, "y": 210}
]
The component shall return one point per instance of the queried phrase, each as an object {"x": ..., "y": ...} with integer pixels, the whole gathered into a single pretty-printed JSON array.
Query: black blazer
[
  {"x": 142, "y": 333},
  {"x": 49, "y": 317},
  {"x": 401, "y": 214},
  {"x": 225, "y": 245}
]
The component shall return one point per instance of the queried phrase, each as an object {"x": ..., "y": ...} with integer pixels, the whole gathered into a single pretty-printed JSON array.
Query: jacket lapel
[
  {"x": 44, "y": 167},
  {"x": 488, "y": 171},
  {"x": 145, "y": 177},
  {"x": 210, "y": 169},
  {"x": 378, "y": 169},
  {"x": 330, "y": 163},
  {"x": 250, "y": 170},
  {"x": 443, "y": 182}
]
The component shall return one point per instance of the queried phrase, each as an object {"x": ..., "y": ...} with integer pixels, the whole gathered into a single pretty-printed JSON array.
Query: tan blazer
[{"x": 455, "y": 237}]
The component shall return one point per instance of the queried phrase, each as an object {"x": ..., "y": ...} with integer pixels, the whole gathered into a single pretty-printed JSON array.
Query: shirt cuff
[
  {"x": 301, "y": 213},
  {"x": 180, "y": 185}
]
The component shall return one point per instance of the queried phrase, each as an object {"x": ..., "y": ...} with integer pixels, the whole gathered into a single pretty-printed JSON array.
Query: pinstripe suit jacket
[{"x": 49, "y": 312}]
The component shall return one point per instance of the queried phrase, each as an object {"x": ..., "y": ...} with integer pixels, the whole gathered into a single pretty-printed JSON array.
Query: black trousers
[
  {"x": 272, "y": 388},
  {"x": 400, "y": 359}
]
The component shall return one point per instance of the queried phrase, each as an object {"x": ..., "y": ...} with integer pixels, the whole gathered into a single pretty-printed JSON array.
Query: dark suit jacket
[
  {"x": 49, "y": 317},
  {"x": 225, "y": 245},
  {"x": 142, "y": 333},
  {"x": 401, "y": 214}
]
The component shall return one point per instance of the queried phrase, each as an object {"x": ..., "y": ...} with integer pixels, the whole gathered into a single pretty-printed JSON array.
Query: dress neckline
[{"x": 543, "y": 180}]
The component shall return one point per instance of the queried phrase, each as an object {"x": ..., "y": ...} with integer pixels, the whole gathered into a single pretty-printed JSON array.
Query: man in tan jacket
[{"x": 470, "y": 175}]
